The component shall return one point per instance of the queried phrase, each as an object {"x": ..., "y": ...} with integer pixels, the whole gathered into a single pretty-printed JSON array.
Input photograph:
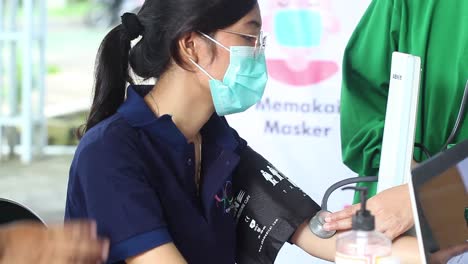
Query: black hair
[{"x": 164, "y": 23}]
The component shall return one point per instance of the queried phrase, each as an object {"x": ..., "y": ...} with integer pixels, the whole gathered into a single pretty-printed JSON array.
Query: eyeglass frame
[{"x": 260, "y": 39}]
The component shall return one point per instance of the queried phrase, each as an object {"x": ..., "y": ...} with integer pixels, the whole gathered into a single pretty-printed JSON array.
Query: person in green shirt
[{"x": 436, "y": 31}]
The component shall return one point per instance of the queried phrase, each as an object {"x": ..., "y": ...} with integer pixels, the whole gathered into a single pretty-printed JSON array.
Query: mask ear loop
[
  {"x": 214, "y": 40},
  {"x": 201, "y": 69}
]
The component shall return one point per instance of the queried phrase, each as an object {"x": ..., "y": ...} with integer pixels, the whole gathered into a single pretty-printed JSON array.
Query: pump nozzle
[
  {"x": 363, "y": 219},
  {"x": 363, "y": 192},
  {"x": 316, "y": 223}
]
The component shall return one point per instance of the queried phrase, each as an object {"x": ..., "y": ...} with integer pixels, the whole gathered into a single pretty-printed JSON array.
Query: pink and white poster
[{"x": 296, "y": 125}]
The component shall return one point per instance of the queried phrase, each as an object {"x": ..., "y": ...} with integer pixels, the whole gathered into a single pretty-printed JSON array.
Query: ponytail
[{"x": 111, "y": 76}]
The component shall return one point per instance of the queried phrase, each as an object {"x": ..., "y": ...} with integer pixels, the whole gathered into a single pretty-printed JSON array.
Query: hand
[
  {"x": 443, "y": 256},
  {"x": 30, "y": 242},
  {"x": 391, "y": 208}
]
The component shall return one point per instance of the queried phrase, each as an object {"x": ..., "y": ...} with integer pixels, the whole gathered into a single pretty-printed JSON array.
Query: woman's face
[{"x": 239, "y": 34}]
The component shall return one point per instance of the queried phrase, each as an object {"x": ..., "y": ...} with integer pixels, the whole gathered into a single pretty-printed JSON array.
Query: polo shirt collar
[{"x": 139, "y": 115}]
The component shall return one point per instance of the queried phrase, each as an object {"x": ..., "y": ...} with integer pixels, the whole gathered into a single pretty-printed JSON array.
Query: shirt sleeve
[
  {"x": 366, "y": 74},
  {"x": 112, "y": 179}
]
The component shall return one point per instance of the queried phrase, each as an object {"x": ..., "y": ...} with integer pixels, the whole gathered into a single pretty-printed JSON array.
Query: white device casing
[{"x": 400, "y": 121}]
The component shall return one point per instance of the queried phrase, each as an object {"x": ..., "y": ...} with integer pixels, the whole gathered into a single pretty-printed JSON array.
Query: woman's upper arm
[
  {"x": 110, "y": 179},
  {"x": 167, "y": 253}
]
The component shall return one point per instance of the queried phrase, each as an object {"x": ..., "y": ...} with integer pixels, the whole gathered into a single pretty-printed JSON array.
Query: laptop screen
[{"x": 441, "y": 192}]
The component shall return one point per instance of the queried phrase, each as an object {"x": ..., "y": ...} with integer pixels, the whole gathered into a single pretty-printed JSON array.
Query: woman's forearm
[
  {"x": 406, "y": 249},
  {"x": 403, "y": 247},
  {"x": 315, "y": 246}
]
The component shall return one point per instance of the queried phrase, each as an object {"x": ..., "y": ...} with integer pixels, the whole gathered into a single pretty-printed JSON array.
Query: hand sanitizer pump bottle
[{"x": 362, "y": 244}]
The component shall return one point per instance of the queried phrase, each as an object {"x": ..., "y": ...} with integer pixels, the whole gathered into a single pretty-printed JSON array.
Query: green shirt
[{"x": 436, "y": 31}]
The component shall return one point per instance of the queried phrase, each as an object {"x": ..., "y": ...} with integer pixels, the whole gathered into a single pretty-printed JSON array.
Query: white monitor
[{"x": 400, "y": 121}]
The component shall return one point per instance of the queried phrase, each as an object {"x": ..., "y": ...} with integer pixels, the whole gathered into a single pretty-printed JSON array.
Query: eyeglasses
[{"x": 260, "y": 39}]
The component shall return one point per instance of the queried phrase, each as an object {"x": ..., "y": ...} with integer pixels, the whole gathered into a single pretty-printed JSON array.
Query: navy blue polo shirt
[{"x": 134, "y": 174}]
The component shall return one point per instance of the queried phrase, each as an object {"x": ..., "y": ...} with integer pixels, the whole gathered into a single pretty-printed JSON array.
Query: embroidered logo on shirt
[{"x": 225, "y": 199}]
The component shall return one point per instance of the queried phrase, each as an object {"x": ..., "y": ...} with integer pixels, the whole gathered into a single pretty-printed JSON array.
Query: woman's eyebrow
[{"x": 255, "y": 23}]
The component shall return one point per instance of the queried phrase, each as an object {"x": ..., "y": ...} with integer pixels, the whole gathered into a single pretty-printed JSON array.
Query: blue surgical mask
[
  {"x": 243, "y": 83},
  {"x": 298, "y": 28}
]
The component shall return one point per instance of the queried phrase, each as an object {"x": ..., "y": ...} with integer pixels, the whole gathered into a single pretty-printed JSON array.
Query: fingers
[
  {"x": 77, "y": 243},
  {"x": 343, "y": 214},
  {"x": 391, "y": 230},
  {"x": 340, "y": 220},
  {"x": 89, "y": 252},
  {"x": 391, "y": 208},
  {"x": 390, "y": 234},
  {"x": 391, "y": 225},
  {"x": 338, "y": 225},
  {"x": 80, "y": 229}
]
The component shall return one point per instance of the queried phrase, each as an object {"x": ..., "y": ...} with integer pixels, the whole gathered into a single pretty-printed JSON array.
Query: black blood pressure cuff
[{"x": 268, "y": 209}]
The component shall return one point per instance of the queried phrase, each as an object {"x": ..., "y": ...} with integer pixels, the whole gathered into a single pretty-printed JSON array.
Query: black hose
[
  {"x": 343, "y": 183},
  {"x": 423, "y": 149},
  {"x": 459, "y": 119}
]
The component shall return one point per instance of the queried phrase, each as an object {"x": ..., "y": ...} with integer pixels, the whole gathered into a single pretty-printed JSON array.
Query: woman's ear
[{"x": 191, "y": 47}]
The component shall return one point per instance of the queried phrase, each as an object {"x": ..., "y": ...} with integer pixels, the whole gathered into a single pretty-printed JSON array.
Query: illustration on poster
[{"x": 299, "y": 28}]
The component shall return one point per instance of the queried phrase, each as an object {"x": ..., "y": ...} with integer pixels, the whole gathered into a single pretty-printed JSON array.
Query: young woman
[{"x": 154, "y": 159}]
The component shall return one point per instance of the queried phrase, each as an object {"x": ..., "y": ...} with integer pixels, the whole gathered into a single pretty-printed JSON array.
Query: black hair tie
[{"x": 132, "y": 25}]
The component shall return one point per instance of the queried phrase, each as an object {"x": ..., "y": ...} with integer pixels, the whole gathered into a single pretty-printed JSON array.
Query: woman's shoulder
[
  {"x": 111, "y": 134},
  {"x": 111, "y": 149}
]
